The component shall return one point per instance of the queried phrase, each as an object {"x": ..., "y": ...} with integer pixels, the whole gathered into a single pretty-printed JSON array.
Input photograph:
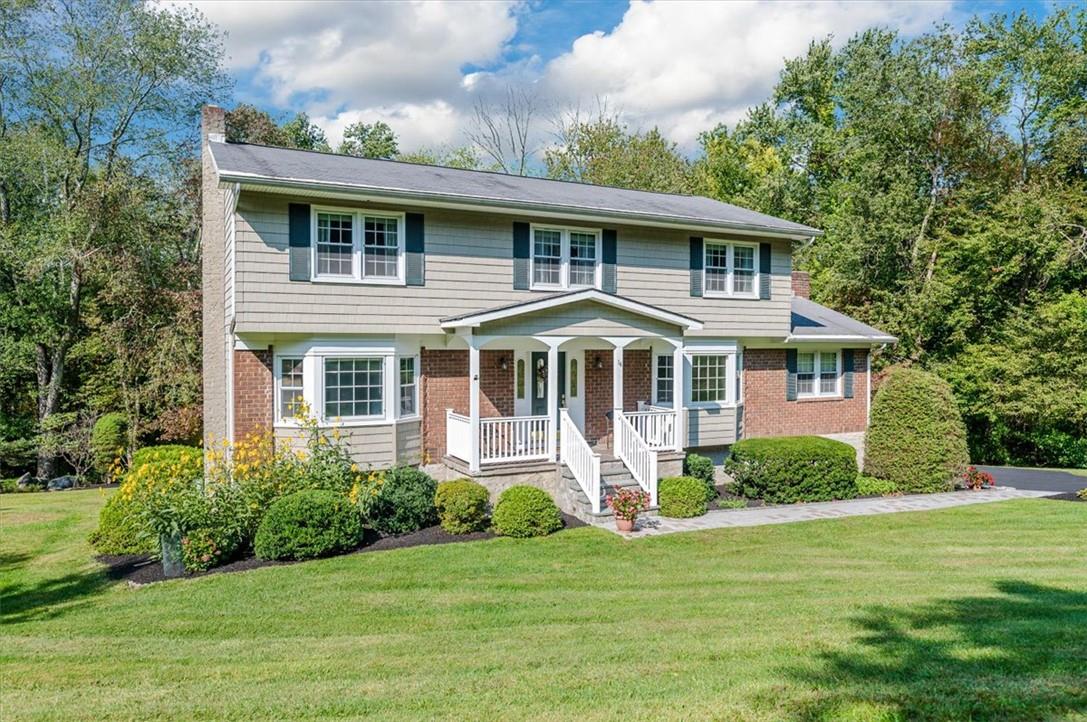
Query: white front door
[{"x": 574, "y": 392}]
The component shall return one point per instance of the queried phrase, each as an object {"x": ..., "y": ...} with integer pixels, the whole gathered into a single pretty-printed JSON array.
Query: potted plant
[
  {"x": 626, "y": 504},
  {"x": 976, "y": 479}
]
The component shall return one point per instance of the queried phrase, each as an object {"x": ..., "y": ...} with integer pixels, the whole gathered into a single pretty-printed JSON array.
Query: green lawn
[{"x": 978, "y": 612}]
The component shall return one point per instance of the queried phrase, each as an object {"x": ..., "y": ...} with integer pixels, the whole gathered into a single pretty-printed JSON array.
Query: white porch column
[
  {"x": 552, "y": 343},
  {"x": 618, "y": 344},
  {"x": 473, "y": 402},
  {"x": 677, "y": 396}
]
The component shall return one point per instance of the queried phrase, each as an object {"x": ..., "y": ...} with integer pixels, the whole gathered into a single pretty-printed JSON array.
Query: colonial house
[{"x": 510, "y": 329}]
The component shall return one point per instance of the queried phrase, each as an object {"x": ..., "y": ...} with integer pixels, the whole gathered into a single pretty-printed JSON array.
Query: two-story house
[{"x": 508, "y": 328}]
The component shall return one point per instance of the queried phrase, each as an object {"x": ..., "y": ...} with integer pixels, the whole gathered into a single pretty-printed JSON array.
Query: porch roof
[
  {"x": 556, "y": 300},
  {"x": 813, "y": 322}
]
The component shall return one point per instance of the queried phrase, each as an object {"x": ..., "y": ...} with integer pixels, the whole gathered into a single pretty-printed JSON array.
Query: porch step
[{"x": 613, "y": 477}]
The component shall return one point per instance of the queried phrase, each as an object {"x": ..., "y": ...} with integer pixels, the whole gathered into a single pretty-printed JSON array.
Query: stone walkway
[{"x": 722, "y": 518}]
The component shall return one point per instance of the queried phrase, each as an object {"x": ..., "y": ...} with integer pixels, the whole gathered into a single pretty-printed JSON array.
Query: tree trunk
[{"x": 50, "y": 365}]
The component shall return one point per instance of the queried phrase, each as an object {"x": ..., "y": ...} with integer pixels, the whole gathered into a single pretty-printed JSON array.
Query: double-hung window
[
  {"x": 665, "y": 376},
  {"x": 818, "y": 373},
  {"x": 565, "y": 258},
  {"x": 409, "y": 388},
  {"x": 354, "y": 388},
  {"x": 709, "y": 378},
  {"x": 730, "y": 269},
  {"x": 291, "y": 382},
  {"x": 363, "y": 246}
]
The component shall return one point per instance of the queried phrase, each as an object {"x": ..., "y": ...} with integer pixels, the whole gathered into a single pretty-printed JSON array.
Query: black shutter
[
  {"x": 415, "y": 247},
  {"x": 790, "y": 374},
  {"x": 847, "y": 373},
  {"x": 764, "y": 271},
  {"x": 521, "y": 244},
  {"x": 298, "y": 231},
  {"x": 696, "y": 266},
  {"x": 608, "y": 282}
]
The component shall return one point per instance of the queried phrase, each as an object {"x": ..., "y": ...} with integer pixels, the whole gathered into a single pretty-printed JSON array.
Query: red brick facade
[
  {"x": 801, "y": 284},
  {"x": 254, "y": 393},
  {"x": 598, "y": 394},
  {"x": 443, "y": 380},
  {"x": 767, "y": 413},
  {"x": 637, "y": 378}
]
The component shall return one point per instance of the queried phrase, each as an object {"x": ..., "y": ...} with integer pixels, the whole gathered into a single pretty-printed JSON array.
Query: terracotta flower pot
[{"x": 624, "y": 524}]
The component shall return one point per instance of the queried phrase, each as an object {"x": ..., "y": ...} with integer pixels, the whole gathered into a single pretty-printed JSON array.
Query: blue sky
[{"x": 681, "y": 66}]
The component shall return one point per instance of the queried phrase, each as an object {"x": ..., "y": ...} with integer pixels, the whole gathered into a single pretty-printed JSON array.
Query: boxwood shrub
[
  {"x": 681, "y": 497},
  {"x": 121, "y": 528},
  {"x": 525, "y": 511},
  {"x": 871, "y": 486},
  {"x": 701, "y": 467},
  {"x": 108, "y": 441},
  {"x": 788, "y": 469},
  {"x": 405, "y": 502},
  {"x": 916, "y": 438},
  {"x": 308, "y": 524},
  {"x": 462, "y": 506}
]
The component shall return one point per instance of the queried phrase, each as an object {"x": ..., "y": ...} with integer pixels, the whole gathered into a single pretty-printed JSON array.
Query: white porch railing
[
  {"x": 637, "y": 455},
  {"x": 515, "y": 438},
  {"x": 458, "y": 435},
  {"x": 582, "y": 461},
  {"x": 656, "y": 425}
]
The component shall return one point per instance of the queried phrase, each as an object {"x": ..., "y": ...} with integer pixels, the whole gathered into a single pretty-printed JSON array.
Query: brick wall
[
  {"x": 637, "y": 378},
  {"x": 767, "y": 413},
  {"x": 444, "y": 385},
  {"x": 254, "y": 393},
  {"x": 598, "y": 395},
  {"x": 801, "y": 284}
]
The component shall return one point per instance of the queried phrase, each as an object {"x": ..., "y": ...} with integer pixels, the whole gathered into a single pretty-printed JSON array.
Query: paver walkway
[{"x": 721, "y": 518}]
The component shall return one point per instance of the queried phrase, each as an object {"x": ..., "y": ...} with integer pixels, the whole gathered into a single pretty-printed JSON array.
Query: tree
[
  {"x": 505, "y": 132},
  {"x": 93, "y": 95},
  {"x": 305, "y": 135},
  {"x": 369, "y": 140},
  {"x": 464, "y": 157},
  {"x": 248, "y": 124}
]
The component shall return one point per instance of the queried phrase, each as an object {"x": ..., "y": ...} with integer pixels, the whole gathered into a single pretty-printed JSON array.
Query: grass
[{"x": 978, "y": 612}]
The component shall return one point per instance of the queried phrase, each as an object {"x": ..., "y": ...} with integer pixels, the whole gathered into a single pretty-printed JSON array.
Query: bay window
[
  {"x": 565, "y": 258},
  {"x": 730, "y": 269},
  {"x": 409, "y": 387},
  {"x": 709, "y": 378},
  {"x": 665, "y": 374},
  {"x": 354, "y": 388},
  {"x": 291, "y": 385},
  {"x": 362, "y": 246}
]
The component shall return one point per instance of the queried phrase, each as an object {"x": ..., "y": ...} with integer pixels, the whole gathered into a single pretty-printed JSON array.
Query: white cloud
[
  {"x": 425, "y": 125},
  {"x": 687, "y": 65}
]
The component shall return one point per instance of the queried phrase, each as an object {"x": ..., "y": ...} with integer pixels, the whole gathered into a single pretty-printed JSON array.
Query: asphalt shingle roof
[
  {"x": 240, "y": 162},
  {"x": 812, "y": 319}
]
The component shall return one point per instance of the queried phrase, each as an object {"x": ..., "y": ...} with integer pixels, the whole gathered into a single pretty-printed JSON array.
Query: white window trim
[
  {"x": 358, "y": 217},
  {"x": 346, "y": 420},
  {"x": 730, "y": 246},
  {"x": 817, "y": 392},
  {"x": 730, "y": 378},
  {"x": 656, "y": 400},
  {"x": 281, "y": 420},
  {"x": 564, "y": 272},
  {"x": 417, "y": 414}
]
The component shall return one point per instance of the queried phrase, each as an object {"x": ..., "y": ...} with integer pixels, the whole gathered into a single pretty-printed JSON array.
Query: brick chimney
[
  {"x": 213, "y": 251},
  {"x": 801, "y": 284}
]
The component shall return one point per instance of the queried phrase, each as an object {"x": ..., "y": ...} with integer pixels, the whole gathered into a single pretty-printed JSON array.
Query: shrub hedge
[
  {"x": 525, "y": 511},
  {"x": 701, "y": 467},
  {"x": 462, "y": 506},
  {"x": 681, "y": 497},
  {"x": 788, "y": 469},
  {"x": 916, "y": 438},
  {"x": 308, "y": 524},
  {"x": 108, "y": 440},
  {"x": 871, "y": 486},
  {"x": 121, "y": 528},
  {"x": 404, "y": 502}
]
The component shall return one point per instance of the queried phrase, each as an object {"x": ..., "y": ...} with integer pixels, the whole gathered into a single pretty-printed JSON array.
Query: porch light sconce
[
  {"x": 504, "y": 364},
  {"x": 597, "y": 363}
]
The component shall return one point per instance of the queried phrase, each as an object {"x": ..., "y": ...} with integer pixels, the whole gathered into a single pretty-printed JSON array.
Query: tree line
[{"x": 948, "y": 170}]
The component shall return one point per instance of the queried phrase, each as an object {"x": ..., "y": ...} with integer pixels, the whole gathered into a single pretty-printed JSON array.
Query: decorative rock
[
  {"x": 26, "y": 480},
  {"x": 61, "y": 483}
]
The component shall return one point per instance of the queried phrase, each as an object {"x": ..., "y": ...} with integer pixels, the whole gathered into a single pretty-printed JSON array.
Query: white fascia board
[
  {"x": 591, "y": 294},
  {"x": 454, "y": 201},
  {"x": 845, "y": 338}
]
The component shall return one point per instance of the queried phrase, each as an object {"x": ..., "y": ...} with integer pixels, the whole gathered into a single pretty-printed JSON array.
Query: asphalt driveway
[{"x": 1036, "y": 479}]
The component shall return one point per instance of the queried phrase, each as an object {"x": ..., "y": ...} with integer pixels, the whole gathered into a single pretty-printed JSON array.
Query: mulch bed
[
  {"x": 141, "y": 569},
  {"x": 1067, "y": 496}
]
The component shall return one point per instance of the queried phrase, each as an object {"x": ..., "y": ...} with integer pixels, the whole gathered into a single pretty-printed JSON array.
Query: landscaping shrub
[
  {"x": 308, "y": 524},
  {"x": 788, "y": 469},
  {"x": 525, "y": 511},
  {"x": 122, "y": 528},
  {"x": 916, "y": 437},
  {"x": 165, "y": 453},
  {"x": 871, "y": 486},
  {"x": 404, "y": 502},
  {"x": 701, "y": 467},
  {"x": 108, "y": 441},
  {"x": 462, "y": 506},
  {"x": 681, "y": 497},
  {"x": 732, "y": 504}
]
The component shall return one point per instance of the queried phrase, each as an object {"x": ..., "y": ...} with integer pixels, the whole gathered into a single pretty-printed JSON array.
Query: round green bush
[
  {"x": 121, "y": 528},
  {"x": 524, "y": 511},
  {"x": 788, "y": 469},
  {"x": 108, "y": 440},
  {"x": 462, "y": 506},
  {"x": 308, "y": 524},
  {"x": 405, "y": 502},
  {"x": 681, "y": 497},
  {"x": 701, "y": 467},
  {"x": 871, "y": 486},
  {"x": 916, "y": 438},
  {"x": 165, "y": 453}
]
